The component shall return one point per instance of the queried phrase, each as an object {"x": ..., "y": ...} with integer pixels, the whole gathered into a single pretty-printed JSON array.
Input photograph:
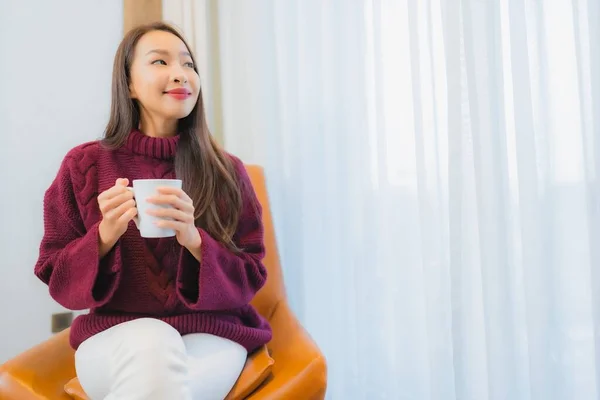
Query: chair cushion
[
  {"x": 257, "y": 368},
  {"x": 74, "y": 389}
]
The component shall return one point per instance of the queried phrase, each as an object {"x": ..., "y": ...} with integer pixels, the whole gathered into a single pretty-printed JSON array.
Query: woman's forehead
[{"x": 160, "y": 42}]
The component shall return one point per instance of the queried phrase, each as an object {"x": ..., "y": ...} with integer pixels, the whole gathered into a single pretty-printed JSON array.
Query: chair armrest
[
  {"x": 300, "y": 369},
  {"x": 10, "y": 389},
  {"x": 42, "y": 370}
]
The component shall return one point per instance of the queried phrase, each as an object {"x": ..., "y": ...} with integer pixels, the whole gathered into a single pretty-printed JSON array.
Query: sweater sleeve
[
  {"x": 223, "y": 279},
  {"x": 69, "y": 261}
]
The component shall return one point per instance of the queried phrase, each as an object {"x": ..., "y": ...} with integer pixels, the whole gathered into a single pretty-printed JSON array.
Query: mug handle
[{"x": 136, "y": 220}]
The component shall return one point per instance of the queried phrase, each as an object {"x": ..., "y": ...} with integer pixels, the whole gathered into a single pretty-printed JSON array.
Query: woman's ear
[{"x": 132, "y": 94}]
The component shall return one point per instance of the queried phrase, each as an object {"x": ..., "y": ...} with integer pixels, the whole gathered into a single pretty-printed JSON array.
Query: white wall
[{"x": 55, "y": 73}]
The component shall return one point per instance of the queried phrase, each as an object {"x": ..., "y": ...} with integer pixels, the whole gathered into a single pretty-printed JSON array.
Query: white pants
[{"x": 147, "y": 359}]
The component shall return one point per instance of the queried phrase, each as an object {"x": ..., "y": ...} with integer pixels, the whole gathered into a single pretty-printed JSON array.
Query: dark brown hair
[{"x": 208, "y": 174}]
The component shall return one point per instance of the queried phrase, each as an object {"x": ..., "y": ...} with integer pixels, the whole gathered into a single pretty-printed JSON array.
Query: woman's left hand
[{"x": 181, "y": 213}]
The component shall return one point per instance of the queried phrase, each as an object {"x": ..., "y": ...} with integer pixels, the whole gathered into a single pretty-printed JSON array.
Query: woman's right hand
[{"x": 118, "y": 208}]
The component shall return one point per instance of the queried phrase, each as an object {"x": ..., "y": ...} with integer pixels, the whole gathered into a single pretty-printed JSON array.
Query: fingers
[
  {"x": 175, "y": 191},
  {"x": 110, "y": 193},
  {"x": 119, "y": 187},
  {"x": 128, "y": 215},
  {"x": 118, "y": 211},
  {"x": 175, "y": 225},
  {"x": 122, "y": 182},
  {"x": 125, "y": 196},
  {"x": 173, "y": 213},
  {"x": 172, "y": 200}
]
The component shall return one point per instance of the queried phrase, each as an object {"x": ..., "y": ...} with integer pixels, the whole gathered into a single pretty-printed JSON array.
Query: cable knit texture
[{"x": 147, "y": 277}]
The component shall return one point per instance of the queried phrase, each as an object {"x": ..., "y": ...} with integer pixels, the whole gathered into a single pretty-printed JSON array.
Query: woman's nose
[{"x": 178, "y": 75}]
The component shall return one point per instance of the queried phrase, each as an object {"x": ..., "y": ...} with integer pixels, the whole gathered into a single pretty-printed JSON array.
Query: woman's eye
[
  {"x": 161, "y": 62},
  {"x": 189, "y": 64}
]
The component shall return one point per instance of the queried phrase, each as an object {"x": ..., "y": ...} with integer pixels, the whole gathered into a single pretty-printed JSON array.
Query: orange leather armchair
[{"x": 289, "y": 367}]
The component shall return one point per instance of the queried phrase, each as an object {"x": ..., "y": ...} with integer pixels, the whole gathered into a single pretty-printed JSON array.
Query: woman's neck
[{"x": 157, "y": 127}]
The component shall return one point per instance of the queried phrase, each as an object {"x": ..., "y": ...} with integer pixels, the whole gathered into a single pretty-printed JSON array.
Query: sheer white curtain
[{"x": 433, "y": 167}]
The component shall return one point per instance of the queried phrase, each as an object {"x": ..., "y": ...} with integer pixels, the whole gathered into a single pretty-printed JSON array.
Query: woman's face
[{"x": 162, "y": 77}]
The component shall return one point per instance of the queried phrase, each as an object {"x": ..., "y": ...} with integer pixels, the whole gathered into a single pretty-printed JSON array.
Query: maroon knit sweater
[{"x": 140, "y": 277}]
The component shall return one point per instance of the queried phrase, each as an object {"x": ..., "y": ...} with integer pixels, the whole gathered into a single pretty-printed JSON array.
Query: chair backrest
[{"x": 267, "y": 298}]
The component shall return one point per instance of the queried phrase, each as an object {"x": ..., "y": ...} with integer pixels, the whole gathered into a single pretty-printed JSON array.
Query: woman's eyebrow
[{"x": 166, "y": 53}]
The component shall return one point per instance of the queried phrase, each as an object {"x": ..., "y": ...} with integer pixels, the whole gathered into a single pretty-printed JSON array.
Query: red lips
[{"x": 179, "y": 93}]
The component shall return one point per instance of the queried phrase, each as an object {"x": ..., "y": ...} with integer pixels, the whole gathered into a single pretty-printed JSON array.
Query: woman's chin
[{"x": 177, "y": 114}]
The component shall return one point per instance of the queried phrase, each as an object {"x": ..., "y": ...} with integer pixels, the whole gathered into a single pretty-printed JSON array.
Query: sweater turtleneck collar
[{"x": 155, "y": 147}]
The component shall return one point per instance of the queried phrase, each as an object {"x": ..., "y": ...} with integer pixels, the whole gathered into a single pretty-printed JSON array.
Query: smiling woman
[
  {"x": 151, "y": 61},
  {"x": 159, "y": 326},
  {"x": 159, "y": 76}
]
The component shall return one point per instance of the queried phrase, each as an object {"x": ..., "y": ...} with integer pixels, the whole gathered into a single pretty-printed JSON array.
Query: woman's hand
[
  {"x": 118, "y": 208},
  {"x": 182, "y": 215}
]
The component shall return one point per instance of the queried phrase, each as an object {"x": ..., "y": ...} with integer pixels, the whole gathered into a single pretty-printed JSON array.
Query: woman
[{"x": 169, "y": 318}]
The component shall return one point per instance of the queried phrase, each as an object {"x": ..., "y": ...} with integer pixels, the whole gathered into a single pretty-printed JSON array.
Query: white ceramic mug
[{"x": 142, "y": 190}]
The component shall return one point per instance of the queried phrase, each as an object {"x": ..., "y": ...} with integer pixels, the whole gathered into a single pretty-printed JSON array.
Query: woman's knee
[
  {"x": 151, "y": 361},
  {"x": 142, "y": 359},
  {"x": 148, "y": 337}
]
